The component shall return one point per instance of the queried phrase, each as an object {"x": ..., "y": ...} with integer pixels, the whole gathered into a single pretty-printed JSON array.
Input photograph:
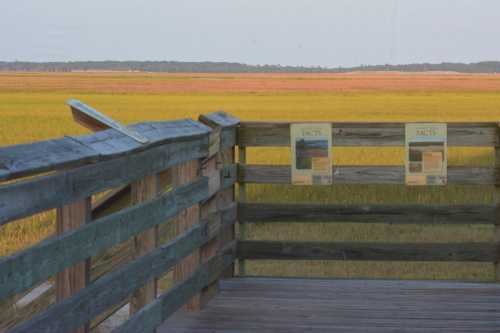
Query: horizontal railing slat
[
  {"x": 228, "y": 174},
  {"x": 119, "y": 284},
  {"x": 265, "y": 134},
  {"x": 227, "y": 216},
  {"x": 292, "y": 250},
  {"x": 114, "y": 287},
  {"x": 35, "y": 195},
  {"x": 281, "y": 174},
  {"x": 36, "y": 264},
  {"x": 155, "y": 313},
  {"x": 395, "y": 214},
  {"x": 28, "y": 159}
]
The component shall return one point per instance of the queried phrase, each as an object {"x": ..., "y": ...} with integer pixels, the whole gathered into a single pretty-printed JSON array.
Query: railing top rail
[
  {"x": 370, "y": 123},
  {"x": 221, "y": 119},
  {"x": 70, "y": 151},
  {"x": 262, "y": 134}
]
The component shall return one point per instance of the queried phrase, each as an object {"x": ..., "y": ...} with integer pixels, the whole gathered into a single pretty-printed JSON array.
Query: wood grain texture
[
  {"x": 33, "y": 265},
  {"x": 270, "y": 305},
  {"x": 35, "y": 195},
  {"x": 281, "y": 174},
  {"x": 28, "y": 159},
  {"x": 10, "y": 317},
  {"x": 210, "y": 169},
  {"x": 242, "y": 160},
  {"x": 144, "y": 190},
  {"x": 226, "y": 123},
  {"x": 219, "y": 119},
  {"x": 225, "y": 198},
  {"x": 395, "y": 214},
  {"x": 289, "y": 250},
  {"x": 223, "y": 162},
  {"x": 117, "y": 285},
  {"x": 265, "y": 134},
  {"x": 153, "y": 316},
  {"x": 186, "y": 219},
  {"x": 73, "y": 279}
]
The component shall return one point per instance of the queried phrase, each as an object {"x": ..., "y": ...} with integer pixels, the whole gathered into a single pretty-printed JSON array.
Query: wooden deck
[{"x": 267, "y": 305}]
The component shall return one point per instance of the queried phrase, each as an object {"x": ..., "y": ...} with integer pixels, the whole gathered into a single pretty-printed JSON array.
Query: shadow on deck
[{"x": 268, "y": 305}]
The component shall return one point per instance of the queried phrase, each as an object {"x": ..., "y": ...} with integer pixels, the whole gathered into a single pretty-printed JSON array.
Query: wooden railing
[
  {"x": 113, "y": 196},
  {"x": 255, "y": 134},
  {"x": 106, "y": 252}
]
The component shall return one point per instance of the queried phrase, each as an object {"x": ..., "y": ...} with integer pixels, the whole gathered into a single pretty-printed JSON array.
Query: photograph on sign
[
  {"x": 426, "y": 154},
  {"x": 311, "y": 154}
]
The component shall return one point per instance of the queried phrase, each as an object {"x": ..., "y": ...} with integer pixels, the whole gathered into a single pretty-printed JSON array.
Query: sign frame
[
  {"x": 426, "y": 154},
  {"x": 311, "y": 148}
]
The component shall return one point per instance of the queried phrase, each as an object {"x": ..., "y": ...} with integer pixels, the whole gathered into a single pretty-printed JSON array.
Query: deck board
[{"x": 309, "y": 305}]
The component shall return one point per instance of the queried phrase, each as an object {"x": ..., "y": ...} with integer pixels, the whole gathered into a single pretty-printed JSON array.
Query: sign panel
[
  {"x": 311, "y": 154},
  {"x": 426, "y": 154}
]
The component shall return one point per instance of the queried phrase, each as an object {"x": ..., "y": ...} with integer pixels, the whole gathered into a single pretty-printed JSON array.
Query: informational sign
[
  {"x": 311, "y": 154},
  {"x": 426, "y": 154}
]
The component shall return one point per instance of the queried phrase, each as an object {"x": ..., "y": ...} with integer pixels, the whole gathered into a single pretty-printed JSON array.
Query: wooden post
[
  {"x": 497, "y": 203},
  {"x": 222, "y": 143},
  {"x": 73, "y": 279},
  {"x": 144, "y": 190},
  {"x": 225, "y": 198},
  {"x": 183, "y": 174},
  {"x": 209, "y": 169},
  {"x": 242, "y": 159}
]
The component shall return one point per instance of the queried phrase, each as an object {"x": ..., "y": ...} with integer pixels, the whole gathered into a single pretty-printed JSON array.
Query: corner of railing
[{"x": 218, "y": 212}]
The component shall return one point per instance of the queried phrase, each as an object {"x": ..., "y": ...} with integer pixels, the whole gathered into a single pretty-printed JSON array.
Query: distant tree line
[{"x": 229, "y": 67}]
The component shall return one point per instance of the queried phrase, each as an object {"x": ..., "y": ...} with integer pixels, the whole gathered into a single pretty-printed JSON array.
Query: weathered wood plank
[
  {"x": 315, "y": 305},
  {"x": 28, "y": 159},
  {"x": 46, "y": 192},
  {"x": 117, "y": 285},
  {"x": 227, "y": 197},
  {"x": 219, "y": 119},
  {"x": 365, "y": 134},
  {"x": 186, "y": 219},
  {"x": 242, "y": 160},
  {"x": 281, "y": 174},
  {"x": 99, "y": 269},
  {"x": 224, "y": 175},
  {"x": 228, "y": 137},
  {"x": 14, "y": 314},
  {"x": 142, "y": 191},
  {"x": 73, "y": 279},
  {"x": 229, "y": 176},
  {"x": 396, "y": 214},
  {"x": 224, "y": 125},
  {"x": 209, "y": 169},
  {"x": 120, "y": 198},
  {"x": 155, "y": 314},
  {"x": 288, "y": 250},
  {"x": 36, "y": 264},
  {"x": 228, "y": 125}
]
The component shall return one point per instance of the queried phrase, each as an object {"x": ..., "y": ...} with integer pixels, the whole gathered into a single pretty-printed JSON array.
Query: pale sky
[{"x": 288, "y": 32}]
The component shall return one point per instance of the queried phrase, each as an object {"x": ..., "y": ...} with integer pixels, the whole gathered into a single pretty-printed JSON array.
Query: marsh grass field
[{"x": 32, "y": 107}]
